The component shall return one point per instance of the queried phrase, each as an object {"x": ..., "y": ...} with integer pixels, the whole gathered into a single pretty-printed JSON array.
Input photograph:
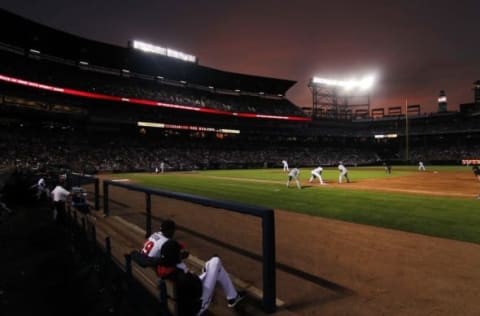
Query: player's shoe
[{"x": 234, "y": 301}]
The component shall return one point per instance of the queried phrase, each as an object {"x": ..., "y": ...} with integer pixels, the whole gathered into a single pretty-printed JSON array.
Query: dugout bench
[
  {"x": 117, "y": 238},
  {"x": 109, "y": 236}
]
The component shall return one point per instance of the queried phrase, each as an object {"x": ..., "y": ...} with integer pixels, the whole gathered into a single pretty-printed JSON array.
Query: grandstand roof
[{"x": 32, "y": 35}]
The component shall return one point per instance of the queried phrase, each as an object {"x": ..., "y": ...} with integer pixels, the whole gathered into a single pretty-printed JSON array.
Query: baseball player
[
  {"x": 153, "y": 245},
  {"x": 59, "y": 196},
  {"x": 213, "y": 273},
  {"x": 343, "y": 173},
  {"x": 476, "y": 172},
  {"x": 293, "y": 175},
  {"x": 285, "y": 165},
  {"x": 42, "y": 188},
  {"x": 388, "y": 168},
  {"x": 316, "y": 173},
  {"x": 421, "y": 166}
]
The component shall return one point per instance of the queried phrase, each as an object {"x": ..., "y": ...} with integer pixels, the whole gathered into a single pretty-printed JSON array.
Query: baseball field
[{"x": 405, "y": 243}]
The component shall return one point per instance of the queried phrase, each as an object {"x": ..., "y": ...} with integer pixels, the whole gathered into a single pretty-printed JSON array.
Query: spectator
[
  {"x": 42, "y": 189},
  {"x": 59, "y": 197}
]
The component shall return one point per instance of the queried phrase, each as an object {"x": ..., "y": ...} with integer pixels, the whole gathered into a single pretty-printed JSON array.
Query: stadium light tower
[
  {"x": 476, "y": 88},
  {"x": 336, "y": 98},
  {"x": 442, "y": 101}
]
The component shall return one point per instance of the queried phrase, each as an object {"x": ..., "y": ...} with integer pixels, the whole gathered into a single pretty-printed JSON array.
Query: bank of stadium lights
[
  {"x": 164, "y": 51},
  {"x": 364, "y": 84}
]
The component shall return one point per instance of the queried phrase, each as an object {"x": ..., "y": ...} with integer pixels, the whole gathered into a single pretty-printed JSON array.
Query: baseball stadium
[{"x": 148, "y": 134}]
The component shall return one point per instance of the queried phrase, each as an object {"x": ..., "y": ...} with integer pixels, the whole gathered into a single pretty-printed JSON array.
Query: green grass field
[{"x": 446, "y": 217}]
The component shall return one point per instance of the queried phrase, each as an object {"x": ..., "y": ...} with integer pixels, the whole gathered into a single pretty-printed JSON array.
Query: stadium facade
[{"x": 82, "y": 95}]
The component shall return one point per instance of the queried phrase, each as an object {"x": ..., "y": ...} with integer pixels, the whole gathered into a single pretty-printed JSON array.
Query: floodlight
[
  {"x": 165, "y": 51},
  {"x": 363, "y": 84},
  {"x": 442, "y": 99},
  {"x": 349, "y": 85},
  {"x": 367, "y": 82}
]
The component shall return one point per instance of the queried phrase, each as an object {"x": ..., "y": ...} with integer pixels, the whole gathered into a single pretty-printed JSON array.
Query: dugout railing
[
  {"x": 78, "y": 179},
  {"x": 266, "y": 215}
]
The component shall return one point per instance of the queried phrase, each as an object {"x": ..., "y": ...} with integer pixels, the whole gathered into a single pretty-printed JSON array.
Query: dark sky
[{"x": 416, "y": 47}]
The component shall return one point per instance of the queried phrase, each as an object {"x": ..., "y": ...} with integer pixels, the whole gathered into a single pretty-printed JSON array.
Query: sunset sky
[{"x": 416, "y": 48}]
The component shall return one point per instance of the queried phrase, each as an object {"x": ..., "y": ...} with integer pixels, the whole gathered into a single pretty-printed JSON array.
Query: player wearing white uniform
[
  {"x": 293, "y": 175},
  {"x": 343, "y": 173},
  {"x": 59, "y": 197},
  {"x": 421, "y": 166},
  {"x": 155, "y": 241},
  {"x": 285, "y": 165},
  {"x": 213, "y": 273},
  {"x": 42, "y": 188},
  {"x": 316, "y": 173}
]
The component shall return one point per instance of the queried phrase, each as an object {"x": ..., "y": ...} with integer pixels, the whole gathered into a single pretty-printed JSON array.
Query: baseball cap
[{"x": 167, "y": 225}]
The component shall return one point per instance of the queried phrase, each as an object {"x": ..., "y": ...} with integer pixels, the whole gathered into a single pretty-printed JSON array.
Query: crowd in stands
[
  {"x": 71, "y": 76},
  {"x": 79, "y": 151},
  {"x": 43, "y": 147},
  {"x": 452, "y": 152}
]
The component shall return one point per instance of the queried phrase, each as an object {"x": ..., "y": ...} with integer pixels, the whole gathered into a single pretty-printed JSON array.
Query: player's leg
[
  {"x": 320, "y": 178},
  {"x": 213, "y": 273}
]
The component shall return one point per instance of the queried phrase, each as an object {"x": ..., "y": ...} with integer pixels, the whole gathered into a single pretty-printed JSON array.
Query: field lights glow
[
  {"x": 165, "y": 51},
  {"x": 365, "y": 83}
]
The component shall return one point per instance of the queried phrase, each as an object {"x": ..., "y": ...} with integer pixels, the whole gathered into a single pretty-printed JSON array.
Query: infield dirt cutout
[{"x": 330, "y": 267}]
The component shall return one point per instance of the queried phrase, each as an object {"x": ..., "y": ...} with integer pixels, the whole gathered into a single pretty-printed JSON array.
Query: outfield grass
[{"x": 446, "y": 217}]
